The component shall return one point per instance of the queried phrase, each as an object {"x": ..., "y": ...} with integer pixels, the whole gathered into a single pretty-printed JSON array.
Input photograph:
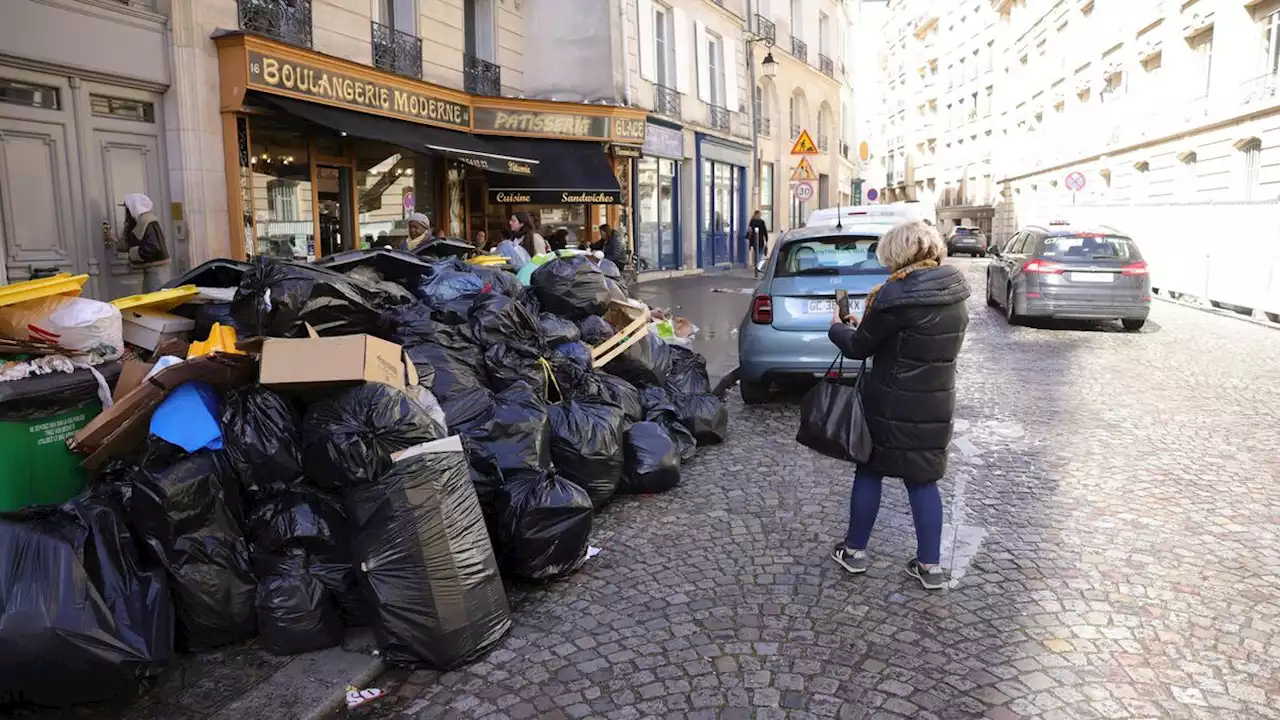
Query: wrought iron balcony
[
  {"x": 765, "y": 28},
  {"x": 666, "y": 101},
  {"x": 826, "y": 65},
  {"x": 481, "y": 77},
  {"x": 285, "y": 20},
  {"x": 718, "y": 118},
  {"x": 399, "y": 52},
  {"x": 763, "y": 127},
  {"x": 799, "y": 50}
]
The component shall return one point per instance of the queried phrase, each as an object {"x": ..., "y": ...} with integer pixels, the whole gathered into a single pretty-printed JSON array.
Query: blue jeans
[{"x": 926, "y": 512}]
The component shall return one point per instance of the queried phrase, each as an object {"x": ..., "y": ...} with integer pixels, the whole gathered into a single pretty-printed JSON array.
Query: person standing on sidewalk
[
  {"x": 144, "y": 241},
  {"x": 758, "y": 235},
  {"x": 912, "y": 329}
]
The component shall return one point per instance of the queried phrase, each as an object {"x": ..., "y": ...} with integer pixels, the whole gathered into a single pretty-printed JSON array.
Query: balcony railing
[
  {"x": 763, "y": 127},
  {"x": 826, "y": 65},
  {"x": 666, "y": 101},
  {"x": 822, "y": 142},
  {"x": 1260, "y": 90},
  {"x": 766, "y": 29},
  {"x": 718, "y": 118},
  {"x": 481, "y": 77},
  {"x": 285, "y": 20},
  {"x": 399, "y": 52},
  {"x": 799, "y": 50}
]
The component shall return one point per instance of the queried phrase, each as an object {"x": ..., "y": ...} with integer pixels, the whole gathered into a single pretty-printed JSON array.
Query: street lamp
[{"x": 769, "y": 66}]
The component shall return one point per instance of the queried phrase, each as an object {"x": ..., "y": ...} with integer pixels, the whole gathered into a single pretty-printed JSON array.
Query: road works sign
[
  {"x": 804, "y": 171},
  {"x": 804, "y": 145}
]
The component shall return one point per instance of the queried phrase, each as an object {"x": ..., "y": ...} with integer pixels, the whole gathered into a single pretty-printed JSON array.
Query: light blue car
[{"x": 784, "y": 334}]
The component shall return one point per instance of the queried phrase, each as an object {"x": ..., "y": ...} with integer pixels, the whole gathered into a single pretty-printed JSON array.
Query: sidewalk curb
[
  {"x": 338, "y": 698},
  {"x": 1211, "y": 310}
]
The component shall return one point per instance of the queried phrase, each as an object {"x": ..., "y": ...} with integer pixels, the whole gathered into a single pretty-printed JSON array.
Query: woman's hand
[{"x": 851, "y": 320}]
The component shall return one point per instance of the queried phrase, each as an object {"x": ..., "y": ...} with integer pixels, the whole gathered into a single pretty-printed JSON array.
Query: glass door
[{"x": 336, "y": 214}]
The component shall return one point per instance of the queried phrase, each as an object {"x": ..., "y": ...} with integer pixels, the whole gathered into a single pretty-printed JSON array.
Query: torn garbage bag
[
  {"x": 427, "y": 565},
  {"x": 260, "y": 433},
  {"x": 648, "y": 362},
  {"x": 518, "y": 433},
  {"x": 586, "y": 446},
  {"x": 297, "y": 612},
  {"x": 652, "y": 460},
  {"x": 278, "y": 299},
  {"x": 544, "y": 523},
  {"x": 352, "y": 434},
  {"x": 187, "y": 511},
  {"x": 82, "y": 617},
  {"x": 556, "y": 330},
  {"x": 705, "y": 416},
  {"x": 571, "y": 288},
  {"x": 497, "y": 319}
]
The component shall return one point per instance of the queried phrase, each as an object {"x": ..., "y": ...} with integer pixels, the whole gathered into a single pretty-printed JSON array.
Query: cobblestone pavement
[{"x": 1114, "y": 511}]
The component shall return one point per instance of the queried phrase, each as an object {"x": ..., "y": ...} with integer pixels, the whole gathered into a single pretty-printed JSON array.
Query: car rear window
[
  {"x": 968, "y": 231},
  {"x": 1089, "y": 246},
  {"x": 838, "y": 255}
]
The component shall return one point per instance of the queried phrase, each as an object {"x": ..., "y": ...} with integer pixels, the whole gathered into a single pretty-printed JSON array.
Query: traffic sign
[
  {"x": 803, "y": 191},
  {"x": 872, "y": 194},
  {"x": 1075, "y": 180},
  {"x": 864, "y": 151},
  {"x": 804, "y": 171},
  {"x": 804, "y": 145}
]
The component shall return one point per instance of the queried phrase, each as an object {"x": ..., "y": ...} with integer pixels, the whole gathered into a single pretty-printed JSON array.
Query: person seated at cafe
[
  {"x": 559, "y": 239},
  {"x": 482, "y": 241}
]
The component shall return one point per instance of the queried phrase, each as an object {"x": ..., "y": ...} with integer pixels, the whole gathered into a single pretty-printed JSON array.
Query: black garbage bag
[
  {"x": 648, "y": 362},
  {"x": 576, "y": 352},
  {"x": 666, "y": 415},
  {"x": 397, "y": 266},
  {"x": 409, "y": 324},
  {"x": 187, "y": 512},
  {"x": 428, "y": 567},
  {"x": 621, "y": 393},
  {"x": 498, "y": 319},
  {"x": 556, "y": 330},
  {"x": 297, "y": 612},
  {"x": 467, "y": 408},
  {"x": 652, "y": 460},
  {"x": 351, "y": 434},
  {"x": 705, "y": 416},
  {"x": 499, "y": 281},
  {"x": 82, "y": 617},
  {"x": 278, "y": 299},
  {"x": 518, "y": 432},
  {"x": 595, "y": 330},
  {"x": 220, "y": 273},
  {"x": 571, "y": 287},
  {"x": 529, "y": 299},
  {"x": 511, "y": 363},
  {"x": 452, "y": 360},
  {"x": 486, "y": 475},
  {"x": 656, "y": 398},
  {"x": 260, "y": 435},
  {"x": 688, "y": 374},
  {"x": 297, "y": 518},
  {"x": 544, "y": 525},
  {"x": 587, "y": 446},
  {"x": 368, "y": 275},
  {"x": 443, "y": 286},
  {"x": 205, "y": 316}
]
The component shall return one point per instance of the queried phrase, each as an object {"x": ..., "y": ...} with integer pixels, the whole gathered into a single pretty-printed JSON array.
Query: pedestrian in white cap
[
  {"x": 419, "y": 230},
  {"x": 143, "y": 240}
]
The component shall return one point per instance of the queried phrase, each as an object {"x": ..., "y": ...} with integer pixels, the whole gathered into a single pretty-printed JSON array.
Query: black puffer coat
[{"x": 913, "y": 332}]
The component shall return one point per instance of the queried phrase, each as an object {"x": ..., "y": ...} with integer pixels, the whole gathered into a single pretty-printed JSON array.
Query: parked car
[
  {"x": 898, "y": 212},
  {"x": 784, "y": 333},
  {"x": 1061, "y": 271},
  {"x": 968, "y": 240}
]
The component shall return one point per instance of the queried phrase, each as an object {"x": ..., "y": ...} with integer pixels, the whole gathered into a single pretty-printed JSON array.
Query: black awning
[
  {"x": 475, "y": 151},
  {"x": 568, "y": 172}
]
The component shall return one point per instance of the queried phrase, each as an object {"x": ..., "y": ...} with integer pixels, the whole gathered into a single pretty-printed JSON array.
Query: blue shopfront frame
[
  {"x": 721, "y": 234},
  {"x": 663, "y": 144}
]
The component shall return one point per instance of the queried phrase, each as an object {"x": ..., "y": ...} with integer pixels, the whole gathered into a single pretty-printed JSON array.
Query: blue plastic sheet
[{"x": 188, "y": 418}]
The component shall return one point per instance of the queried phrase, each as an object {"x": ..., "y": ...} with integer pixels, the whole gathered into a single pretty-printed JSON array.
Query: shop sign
[
  {"x": 275, "y": 74},
  {"x": 556, "y": 197},
  {"x": 625, "y": 151},
  {"x": 511, "y": 167},
  {"x": 629, "y": 129},
  {"x": 527, "y": 122},
  {"x": 663, "y": 142}
]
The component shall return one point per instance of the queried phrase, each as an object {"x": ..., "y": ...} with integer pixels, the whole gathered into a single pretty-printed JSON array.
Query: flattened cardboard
[{"x": 296, "y": 362}]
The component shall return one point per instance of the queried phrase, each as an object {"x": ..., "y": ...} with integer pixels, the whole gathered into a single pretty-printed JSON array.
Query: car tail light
[
  {"x": 1138, "y": 268},
  {"x": 762, "y": 310},
  {"x": 1043, "y": 267}
]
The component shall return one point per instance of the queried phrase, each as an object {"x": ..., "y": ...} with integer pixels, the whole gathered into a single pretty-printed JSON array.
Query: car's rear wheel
[
  {"x": 991, "y": 299},
  {"x": 754, "y": 393},
  {"x": 1010, "y": 313},
  {"x": 1133, "y": 325}
]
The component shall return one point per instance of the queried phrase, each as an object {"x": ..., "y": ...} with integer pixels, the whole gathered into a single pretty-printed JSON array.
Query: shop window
[
  {"x": 282, "y": 200},
  {"x": 385, "y": 191},
  {"x": 656, "y": 193},
  {"x": 20, "y": 93},
  {"x": 122, "y": 108},
  {"x": 279, "y": 170}
]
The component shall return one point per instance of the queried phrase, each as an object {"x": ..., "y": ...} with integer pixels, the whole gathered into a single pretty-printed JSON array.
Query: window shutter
[
  {"x": 701, "y": 60},
  {"x": 684, "y": 46},
  {"x": 648, "y": 70},
  {"x": 729, "y": 66}
]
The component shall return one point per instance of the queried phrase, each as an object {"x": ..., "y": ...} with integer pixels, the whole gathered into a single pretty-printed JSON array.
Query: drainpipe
[
  {"x": 755, "y": 121},
  {"x": 626, "y": 52}
]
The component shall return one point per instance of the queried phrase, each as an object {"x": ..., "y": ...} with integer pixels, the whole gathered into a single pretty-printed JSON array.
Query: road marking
[{"x": 735, "y": 291}]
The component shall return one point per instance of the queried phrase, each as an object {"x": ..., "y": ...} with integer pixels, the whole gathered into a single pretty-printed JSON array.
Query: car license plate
[
  {"x": 828, "y": 307},
  {"x": 1091, "y": 277}
]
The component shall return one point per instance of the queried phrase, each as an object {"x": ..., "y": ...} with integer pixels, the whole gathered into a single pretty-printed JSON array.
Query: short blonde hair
[{"x": 909, "y": 243}]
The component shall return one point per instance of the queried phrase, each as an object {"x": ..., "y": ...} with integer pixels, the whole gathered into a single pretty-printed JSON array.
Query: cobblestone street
[{"x": 1113, "y": 504}]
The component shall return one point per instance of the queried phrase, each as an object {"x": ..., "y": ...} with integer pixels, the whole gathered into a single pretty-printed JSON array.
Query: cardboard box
[
  {"x": 295, "y": 362},
  {"x": 148, "y": 329}
]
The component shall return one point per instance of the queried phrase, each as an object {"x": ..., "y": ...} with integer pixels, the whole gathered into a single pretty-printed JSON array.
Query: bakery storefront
[{"x": 325, "y": 155}]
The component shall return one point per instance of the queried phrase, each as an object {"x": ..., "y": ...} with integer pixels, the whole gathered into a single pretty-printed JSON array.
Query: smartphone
[{"x": 842, "y": 302}]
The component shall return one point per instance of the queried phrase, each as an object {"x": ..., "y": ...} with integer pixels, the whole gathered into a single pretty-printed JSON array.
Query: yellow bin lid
[
  {"x": 160, "y": 300},
  {"x": 60, "y": 284}
]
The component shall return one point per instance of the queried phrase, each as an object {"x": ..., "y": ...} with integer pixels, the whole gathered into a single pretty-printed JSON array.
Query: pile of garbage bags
[{"x": 336, "y": 506}]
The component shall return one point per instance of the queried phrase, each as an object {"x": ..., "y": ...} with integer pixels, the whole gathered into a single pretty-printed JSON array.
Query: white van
[{"x": 891, "y": 214}]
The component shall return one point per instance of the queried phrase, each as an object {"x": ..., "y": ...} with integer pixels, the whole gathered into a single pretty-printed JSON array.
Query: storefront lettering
[
  {"x": 556, "y": 197},
  {"x": 629, "y": 129},
  {"x": 519, "y": 168},
  {"x": 511, "y": 197},
  {"x": 539, "y": 123},
  {"x": 273, "y": 74},
  {"x": 605, "y": 198}
]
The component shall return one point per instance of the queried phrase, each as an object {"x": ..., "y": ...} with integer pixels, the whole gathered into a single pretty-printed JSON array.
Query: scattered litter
[
  {"x": 592, "y": 551},
  {"x": 357, "y": 697},
  {"x": 733, "y": 291}
]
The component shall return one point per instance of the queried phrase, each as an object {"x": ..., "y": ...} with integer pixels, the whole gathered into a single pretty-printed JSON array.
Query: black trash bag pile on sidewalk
[{"x": 277, "y": 298}]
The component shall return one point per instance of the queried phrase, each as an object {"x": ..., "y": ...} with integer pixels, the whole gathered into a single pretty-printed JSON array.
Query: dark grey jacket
[{"x": 913, "y": 332}]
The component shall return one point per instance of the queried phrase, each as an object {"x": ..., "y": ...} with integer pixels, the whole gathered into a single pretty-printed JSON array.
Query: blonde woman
[{"x": 912, "y": 330}]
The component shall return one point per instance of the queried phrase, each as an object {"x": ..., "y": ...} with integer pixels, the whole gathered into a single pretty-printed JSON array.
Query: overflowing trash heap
[{"x": 392, "y": 440}]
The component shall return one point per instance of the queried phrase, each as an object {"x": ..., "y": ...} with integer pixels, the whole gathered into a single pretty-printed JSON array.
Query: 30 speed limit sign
[{"x": 803, "y": 191}]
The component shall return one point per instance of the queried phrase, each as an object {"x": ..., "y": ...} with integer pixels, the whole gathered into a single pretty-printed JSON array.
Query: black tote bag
[{"x": 831, "y": 418}]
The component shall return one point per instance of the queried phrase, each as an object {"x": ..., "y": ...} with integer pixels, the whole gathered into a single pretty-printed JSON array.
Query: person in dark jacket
[
  {"x": 613, "y": 247},
  {"x": 912, "y": 330},
  {"x": 758, "y": 235},
  {"x": 143, "y": 240}
]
